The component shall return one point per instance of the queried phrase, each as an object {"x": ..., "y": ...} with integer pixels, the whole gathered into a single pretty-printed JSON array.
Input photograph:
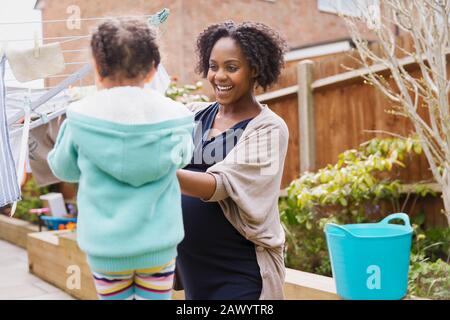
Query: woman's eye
[
  {"x": 213, "y": 67},
  {"x": 232, "y": 68}
]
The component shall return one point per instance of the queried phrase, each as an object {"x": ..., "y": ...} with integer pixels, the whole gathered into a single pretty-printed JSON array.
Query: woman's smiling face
[{"x": 229, "y": 72}]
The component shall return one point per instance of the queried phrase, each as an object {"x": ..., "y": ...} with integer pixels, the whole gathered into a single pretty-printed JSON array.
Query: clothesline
[
  {"x": 75, "y": 63},
  {"x": 81, "y": 19},
  {"x": 41, "y": 121},
  {"x": 51, "y": 87},
  {"x": 75, "y": 50},
  {"x": 70, "y": 38},
  {"x": 47, "y": 77},
  {"x": 66, "y": 63},
  {"x": 49, "y": 38},
  {"x": 86, "y": 69},
  {"x": 155, "y": 19},
  {"x": 71, "y": 51},
  {"x": 40, "y": 88},
  {"x": 13, "y": 175}
]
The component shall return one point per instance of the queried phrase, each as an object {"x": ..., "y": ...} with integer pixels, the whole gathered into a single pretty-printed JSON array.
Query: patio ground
[{"x": 17, "y": 283}]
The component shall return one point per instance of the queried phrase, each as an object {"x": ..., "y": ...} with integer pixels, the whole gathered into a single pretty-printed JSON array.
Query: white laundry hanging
[
  {"x": 26, "y": 109},
  {"x": 9, "y": 186},
  {"x": 47, "y": 95},
  {"x": 36, "y": 62},
  {"x": 23, "y": 152}
]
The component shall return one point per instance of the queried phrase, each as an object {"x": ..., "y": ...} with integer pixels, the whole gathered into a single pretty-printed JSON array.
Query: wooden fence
[{"x": 329, "y": 110}]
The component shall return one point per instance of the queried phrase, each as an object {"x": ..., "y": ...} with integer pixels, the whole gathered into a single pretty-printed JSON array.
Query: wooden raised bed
[
  {"x": 15, "y": 230},
  {"x": 50, "y": 257},
  {"x": 51, "y": 253}
]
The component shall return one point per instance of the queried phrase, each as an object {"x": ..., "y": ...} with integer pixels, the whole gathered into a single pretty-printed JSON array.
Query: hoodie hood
[{"x": 134, "y": 135}]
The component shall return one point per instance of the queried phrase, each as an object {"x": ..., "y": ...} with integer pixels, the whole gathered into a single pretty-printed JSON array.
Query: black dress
[{"x": 214, "y": 260}]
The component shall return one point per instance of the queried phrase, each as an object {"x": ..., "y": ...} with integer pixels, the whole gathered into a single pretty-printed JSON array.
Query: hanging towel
[
  {"x": 42, "y": 140},
  {"x": 9, "y": 186},
  {"x": 31, "y": 64}
]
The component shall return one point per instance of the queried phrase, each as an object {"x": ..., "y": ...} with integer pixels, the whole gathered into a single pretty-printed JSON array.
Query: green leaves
[
  {"x": 343, "y": 202},
  {"x": 429, "y": 279},
  {"x": 424, "y": 190},
  {"x": 354, "y": 178},
  {"x": 417, "y": 148},
  {"x": 186, "y": 93},
  {"x": 30, "y": 200}
]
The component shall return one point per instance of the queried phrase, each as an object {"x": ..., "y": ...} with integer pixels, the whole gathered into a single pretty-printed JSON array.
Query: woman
[{"x": 233, "y": 245}]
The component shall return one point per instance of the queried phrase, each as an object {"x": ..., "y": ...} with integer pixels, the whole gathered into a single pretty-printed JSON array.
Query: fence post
[{"x": 307, "y": 139}]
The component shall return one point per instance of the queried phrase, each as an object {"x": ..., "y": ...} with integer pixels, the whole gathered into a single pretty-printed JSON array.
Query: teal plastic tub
[{"x": 370, "y": 261}]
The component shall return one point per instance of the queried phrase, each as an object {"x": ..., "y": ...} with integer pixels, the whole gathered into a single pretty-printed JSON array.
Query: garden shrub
[
  {"x": 30, "y": 200},
  {"x": 187, "y": 93}
]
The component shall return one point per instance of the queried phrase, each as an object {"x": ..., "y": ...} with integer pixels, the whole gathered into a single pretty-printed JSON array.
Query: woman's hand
[{"x": 196, "y": 184}]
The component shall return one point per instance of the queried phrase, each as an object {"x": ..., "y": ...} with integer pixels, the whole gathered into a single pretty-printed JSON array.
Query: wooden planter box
[
  {"x": 54, "y": 255},
  {"x": 15, "y": 230},
  {"x": 51, "y": 253}
]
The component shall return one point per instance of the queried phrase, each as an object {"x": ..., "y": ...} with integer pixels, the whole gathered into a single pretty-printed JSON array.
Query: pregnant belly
[{"x": 207, "y": 231}]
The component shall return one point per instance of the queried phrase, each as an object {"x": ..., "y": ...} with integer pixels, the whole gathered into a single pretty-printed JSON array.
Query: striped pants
[{"x": 144, "y": 284}]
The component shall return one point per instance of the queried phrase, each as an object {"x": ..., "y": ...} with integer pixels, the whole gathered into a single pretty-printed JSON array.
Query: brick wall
[{"x": 299, "y": 21}]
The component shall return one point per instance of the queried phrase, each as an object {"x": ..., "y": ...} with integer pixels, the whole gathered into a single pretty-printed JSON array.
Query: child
[{"x": 123, "y": 146}]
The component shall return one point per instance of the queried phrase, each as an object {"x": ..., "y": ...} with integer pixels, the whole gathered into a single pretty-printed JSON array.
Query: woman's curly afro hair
[{"x": 263, "y": 47}]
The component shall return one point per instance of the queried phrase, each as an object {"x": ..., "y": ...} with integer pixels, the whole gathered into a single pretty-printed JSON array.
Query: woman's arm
[{"x": 196, "y": 184}]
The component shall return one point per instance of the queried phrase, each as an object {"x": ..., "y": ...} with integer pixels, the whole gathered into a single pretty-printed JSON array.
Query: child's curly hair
[
  {"x": 124, "y": 48},
  {"x": 263, "y": 47}
]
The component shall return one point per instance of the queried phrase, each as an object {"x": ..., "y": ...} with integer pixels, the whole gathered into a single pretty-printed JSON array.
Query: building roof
[{"x": 39, "y": 4}]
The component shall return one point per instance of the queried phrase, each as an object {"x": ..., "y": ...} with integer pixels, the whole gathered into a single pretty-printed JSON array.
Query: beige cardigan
[{"x": 247, "y": 188}]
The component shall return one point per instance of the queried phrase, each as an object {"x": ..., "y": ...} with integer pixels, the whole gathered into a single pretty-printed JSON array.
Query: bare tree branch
[{"x": 426, "y": 22}]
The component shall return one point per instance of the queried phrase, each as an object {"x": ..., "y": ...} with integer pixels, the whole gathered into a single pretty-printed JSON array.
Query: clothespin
[
  {"x": 36, "y": 45},
  {"x": 159, "y": 17},
  {"x": 43, "y": 117},
  {"x": 28, "y": 107}
]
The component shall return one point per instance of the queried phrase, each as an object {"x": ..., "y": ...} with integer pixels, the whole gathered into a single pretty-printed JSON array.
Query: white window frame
[{"x": 345, "y": 7}]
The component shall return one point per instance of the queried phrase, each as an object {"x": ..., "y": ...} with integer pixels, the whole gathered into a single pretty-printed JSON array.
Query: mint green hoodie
[{"x": 123, "y": 146}]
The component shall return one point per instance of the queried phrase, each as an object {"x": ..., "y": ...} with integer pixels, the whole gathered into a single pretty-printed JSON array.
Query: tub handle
[
  {"x": 402, "y": 216},
  {"x": 341, "y": 228}
]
